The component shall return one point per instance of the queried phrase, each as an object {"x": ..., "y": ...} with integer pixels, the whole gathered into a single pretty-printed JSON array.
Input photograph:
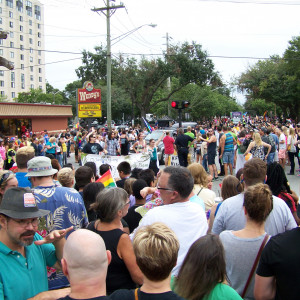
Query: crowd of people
[{"x": 160, "y": 233}]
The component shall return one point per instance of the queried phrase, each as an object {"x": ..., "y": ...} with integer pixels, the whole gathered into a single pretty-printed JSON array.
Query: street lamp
[
  {"x": 54, "y": 96},
  {"x": 122, "y": 36}
]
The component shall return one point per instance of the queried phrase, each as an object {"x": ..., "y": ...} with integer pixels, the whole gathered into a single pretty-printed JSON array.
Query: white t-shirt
[
  {"x": 291, "y": 141},
  {"x": 186, "y": 219},
  {"x": 283, "y": 145}
]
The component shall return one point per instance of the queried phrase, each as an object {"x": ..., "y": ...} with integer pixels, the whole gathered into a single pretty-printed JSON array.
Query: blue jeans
[
  {"x": 204, "y": 162},
  {"x": 270, "y": 158},
  {"x": 59, "y": 158}
]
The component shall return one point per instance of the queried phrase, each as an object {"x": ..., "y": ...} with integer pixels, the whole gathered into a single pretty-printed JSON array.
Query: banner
[{"x": 138, "y": 160}]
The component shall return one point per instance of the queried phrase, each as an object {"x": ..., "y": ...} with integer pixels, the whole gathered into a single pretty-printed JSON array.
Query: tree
[
  {"x": 143, "y": 80},
  {"x": 276, "y": 80}
]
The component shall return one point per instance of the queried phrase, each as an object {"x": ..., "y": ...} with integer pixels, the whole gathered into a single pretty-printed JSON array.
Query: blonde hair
[
  {"x": 257, "y": 139},
  {"x": 52, "y": 139},
  {"x": 65, "y": 176},
  {"x": 199, "y": 174},
  {"x": 23, "y": 155},
  {"x": 156, "y": 249},
  {"x": 128, "y": 185},
  {"x": 292, "y": 132}
]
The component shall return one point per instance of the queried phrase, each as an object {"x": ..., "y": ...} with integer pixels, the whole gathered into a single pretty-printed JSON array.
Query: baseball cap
[{"x": 19, "y": 203}]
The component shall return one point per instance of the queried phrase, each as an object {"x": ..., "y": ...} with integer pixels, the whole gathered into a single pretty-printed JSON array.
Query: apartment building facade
[{"x": 23, "y": 20}]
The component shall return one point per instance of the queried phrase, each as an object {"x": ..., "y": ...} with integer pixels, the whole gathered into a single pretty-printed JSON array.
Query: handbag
[{"x": 255, "y": 265}]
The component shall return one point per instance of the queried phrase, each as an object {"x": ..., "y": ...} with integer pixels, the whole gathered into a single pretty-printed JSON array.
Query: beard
[{"x": 25, "y": 238}]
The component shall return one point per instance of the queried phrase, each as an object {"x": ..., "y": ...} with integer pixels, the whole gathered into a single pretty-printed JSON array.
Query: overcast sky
[{"x": 227, "y": 29}]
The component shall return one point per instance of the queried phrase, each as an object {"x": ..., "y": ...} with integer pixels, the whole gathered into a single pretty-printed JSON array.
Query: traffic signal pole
[{"x": 176, "y": 105}]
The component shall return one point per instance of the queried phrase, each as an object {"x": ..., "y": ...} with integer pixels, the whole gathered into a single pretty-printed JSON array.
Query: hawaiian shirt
[{"x": 66, "y": 209}]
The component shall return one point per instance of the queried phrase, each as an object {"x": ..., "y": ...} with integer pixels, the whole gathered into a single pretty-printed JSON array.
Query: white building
[{"x": 24, "y": 47}]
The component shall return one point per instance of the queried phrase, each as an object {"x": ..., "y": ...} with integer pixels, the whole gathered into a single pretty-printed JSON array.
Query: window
[
  {"x": 40, "y": 79},
  {"x": 21, "y": 38},
  {"x": 22, "y": 66},
  {"x": 20, "y": 6},
  {"x": 11, "y": 44},
  {"x": 39, "y": 34},
  {"x": 31, "y": 77},
  {"x": 32, "y": 86},
  {"x": 10, "y": 14},
  {"x": 22, "y": 77},
  {"x": 1, "y": 73},
  {"x": 40, "y": 70},
  {"x": 30, "y": 22},
  {"x": 31, "y": 59},
  {"x": 23, "y": 86},
  {"x": 30, "y": 41},
  {"x": 0, "y": 9},
  {"x": 30, "y": 31},
  {"x": 40, "y": 52},
  {"x": 1, "y": 83},
  {"x": 29, "y": 8},
  {"x": 22, "y": 47},
  {"x": 37, "y": 12},
  {"x": 11, "y": 34},
  {"x": 12, "y": 54},
  {"x": 11, "y": 24},
  {"x": 12, "y": 84},
  {"x": 2, "y": 93},
  {"x": 39, "y": 61},
  {"x": 12, "y": 76},
  {"x": 22, "y": 57},
  {"x": 0, "y": 20},
  {"x": 1, "y": 52},
  {"x": 21, "y": 28},
  {"x": 13, "y": 94},
  {"x": 39, "y": 26},
  {"x": 31, "y": 68},
  {"x": 21, "y": 18},
  {"x": 1, "y": 42},
  {"x": 39, "y": 43},
  {"x": 30, "y": 50},
  {"x": 9, "y": 3}
]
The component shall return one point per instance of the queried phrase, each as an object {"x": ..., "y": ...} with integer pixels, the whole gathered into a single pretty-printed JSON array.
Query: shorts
[
  {"x": 281, "y": 154},
  {"x": 211, "y": 158},
  {"x": 228, "y": 157}
]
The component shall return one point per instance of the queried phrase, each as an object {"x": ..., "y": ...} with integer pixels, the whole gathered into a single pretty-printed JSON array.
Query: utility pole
[
  {"x": 169, "y": 78},
  {"x": 108, "y": 11}
]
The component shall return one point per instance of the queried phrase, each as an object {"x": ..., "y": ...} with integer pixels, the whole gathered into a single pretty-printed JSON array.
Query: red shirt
[{"x": 169, "y": 144}]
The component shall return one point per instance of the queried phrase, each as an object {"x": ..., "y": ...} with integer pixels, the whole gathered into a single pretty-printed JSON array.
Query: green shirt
[
  {"x": 223, "y": 292},
  {"x": 190, "y": 144},
  {"x": 22, "y": 278}
]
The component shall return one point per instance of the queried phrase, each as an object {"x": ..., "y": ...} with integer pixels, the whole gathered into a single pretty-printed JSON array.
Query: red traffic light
[
  {"x": 185, "y": 104},
  {"x": 175, "y": 104}
]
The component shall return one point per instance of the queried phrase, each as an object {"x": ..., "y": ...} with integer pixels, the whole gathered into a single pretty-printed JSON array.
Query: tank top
[
  {"x": 258, "y": 151},
  {"x": 118, "y": 276},
  {"x": 228, "y": 143},
  {"x": 211, "y": 147}
]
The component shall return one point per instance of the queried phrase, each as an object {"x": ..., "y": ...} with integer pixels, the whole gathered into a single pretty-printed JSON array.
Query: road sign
[{"x": 89, "y": 110}]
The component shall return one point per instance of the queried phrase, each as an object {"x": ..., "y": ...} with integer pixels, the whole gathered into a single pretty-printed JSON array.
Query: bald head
[{"x": 84, "y": 256}]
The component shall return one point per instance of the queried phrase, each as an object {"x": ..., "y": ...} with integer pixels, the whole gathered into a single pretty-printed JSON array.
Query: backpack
[
  {"x": 244, "y": 145},
  {"x": 272, "y": 143}
]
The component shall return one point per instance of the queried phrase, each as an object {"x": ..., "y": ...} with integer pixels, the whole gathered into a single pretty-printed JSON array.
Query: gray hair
[{"x": 108, "y": 202}]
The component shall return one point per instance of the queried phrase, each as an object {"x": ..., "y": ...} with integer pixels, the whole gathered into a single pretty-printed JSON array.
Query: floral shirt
[
  {"x": 112, "y": 147},
  {"x": 66, "y": 209}
]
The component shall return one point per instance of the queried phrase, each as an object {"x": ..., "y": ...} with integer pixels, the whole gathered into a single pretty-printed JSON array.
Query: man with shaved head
[{"x": 84, "y": 263}]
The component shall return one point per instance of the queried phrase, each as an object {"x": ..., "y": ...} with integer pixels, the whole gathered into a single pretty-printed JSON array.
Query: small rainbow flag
[
  {"x": 107, "y": 180},
  {"x": 149, "y": 128},
  {"x": 77, "y": 125},
  {"x": 265, "y": 114}
]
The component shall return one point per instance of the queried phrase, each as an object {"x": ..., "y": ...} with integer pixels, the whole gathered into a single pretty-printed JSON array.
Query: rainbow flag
[
  {"x": 77, "y": 125},
  {"x": 149, "y": 128},
  {"x": 107, "y": 179},
  {"x": 265, "y": 114}
]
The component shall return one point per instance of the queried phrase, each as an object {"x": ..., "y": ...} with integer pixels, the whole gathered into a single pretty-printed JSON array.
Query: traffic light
[
  {"x": 175, "y": 104},
  {"x": 185, "y": 104}
]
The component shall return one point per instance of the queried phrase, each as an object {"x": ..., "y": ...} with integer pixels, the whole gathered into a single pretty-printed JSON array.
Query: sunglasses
[{"x": 5, "y": 176}]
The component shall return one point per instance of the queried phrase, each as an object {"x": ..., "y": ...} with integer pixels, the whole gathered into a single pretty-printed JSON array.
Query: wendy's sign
[{"x": 88, "y": 94}]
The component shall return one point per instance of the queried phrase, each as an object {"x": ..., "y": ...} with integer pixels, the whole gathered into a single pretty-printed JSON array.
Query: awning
[{"x": 30, "y": 110}]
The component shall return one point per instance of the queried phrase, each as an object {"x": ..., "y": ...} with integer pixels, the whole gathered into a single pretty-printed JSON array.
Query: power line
[{"x": 252, "y": 2}]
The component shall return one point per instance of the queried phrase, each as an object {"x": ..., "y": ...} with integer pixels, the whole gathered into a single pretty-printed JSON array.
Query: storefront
[{"x": 17, "y": 117}]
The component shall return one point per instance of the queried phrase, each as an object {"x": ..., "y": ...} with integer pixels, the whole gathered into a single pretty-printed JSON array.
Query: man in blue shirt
[{"x": 24, "y": 254}]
